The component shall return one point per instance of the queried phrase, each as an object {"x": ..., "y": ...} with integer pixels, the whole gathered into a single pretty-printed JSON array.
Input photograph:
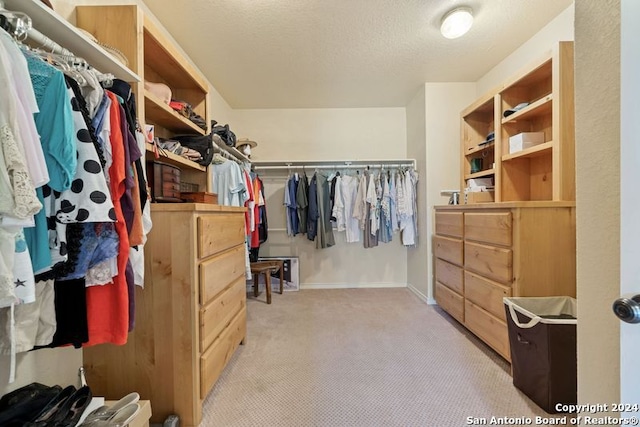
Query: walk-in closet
[{"x": 366, "y": 213}]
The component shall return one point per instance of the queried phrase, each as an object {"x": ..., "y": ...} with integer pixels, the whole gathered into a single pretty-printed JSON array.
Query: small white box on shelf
[{"x": 525, "y": 140}]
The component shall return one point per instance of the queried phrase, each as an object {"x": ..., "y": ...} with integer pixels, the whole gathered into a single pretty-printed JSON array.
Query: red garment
[
  {"x": 108, "y": 305},
  {"x": 247, "y": 213},
  {"x": 255, "y": 234}
]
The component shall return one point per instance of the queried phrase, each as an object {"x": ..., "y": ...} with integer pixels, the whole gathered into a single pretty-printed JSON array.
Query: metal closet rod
[{"x": 339, "y": 164}]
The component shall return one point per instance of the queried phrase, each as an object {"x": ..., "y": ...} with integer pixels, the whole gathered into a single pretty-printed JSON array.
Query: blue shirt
[{"x": 55, "y": 126}]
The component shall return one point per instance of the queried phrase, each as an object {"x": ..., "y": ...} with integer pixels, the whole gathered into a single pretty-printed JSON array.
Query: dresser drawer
[
  {"x": 217, "y": 315},
  {"x": 488, "y": 227},
  {"x": 450, "y": 302},
  {"x": 219, "y": 232},
  {"x": 486, "y": 294},
  {"x": 213, "y": 361},
  {"x": 488, "y": 327},
  {"x": 450, "y": 275},
  {"x": 448, "y": 249},
  {"x": 489, "y": 261},
  {"x": 218, "y": 272},
  {"x": 449, "y": 223}
]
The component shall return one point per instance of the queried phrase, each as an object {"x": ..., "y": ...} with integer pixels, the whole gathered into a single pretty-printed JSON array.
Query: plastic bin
[{"x": 542, "y": 339}]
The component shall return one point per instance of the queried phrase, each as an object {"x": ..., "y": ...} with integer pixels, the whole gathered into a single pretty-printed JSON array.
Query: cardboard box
[{"x": 525, "y": 140}]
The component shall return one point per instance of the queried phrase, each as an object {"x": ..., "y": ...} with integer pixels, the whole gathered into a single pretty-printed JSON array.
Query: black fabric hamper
[{"x": 542, "y": 339}]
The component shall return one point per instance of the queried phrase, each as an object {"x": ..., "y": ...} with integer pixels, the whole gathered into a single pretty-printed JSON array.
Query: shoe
[
  {"x": 53, "y": 408},
  {"x": 108, "y": 412},
  {"x": 121, "y": 418},
  {"x": 19, "y": 406},
  {"x": 70, "y": 413},
  {"x": 21, "y": 394}
]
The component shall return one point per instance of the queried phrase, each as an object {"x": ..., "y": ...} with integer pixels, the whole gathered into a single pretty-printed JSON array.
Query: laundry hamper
[{"x": 542, "y": 339}]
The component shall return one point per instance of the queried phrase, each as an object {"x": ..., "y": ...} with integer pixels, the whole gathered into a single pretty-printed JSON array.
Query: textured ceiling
[{"x": 343, "y": 53}]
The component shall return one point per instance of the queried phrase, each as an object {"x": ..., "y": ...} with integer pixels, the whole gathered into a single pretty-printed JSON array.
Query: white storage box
[{"x": 525, "y": 140}]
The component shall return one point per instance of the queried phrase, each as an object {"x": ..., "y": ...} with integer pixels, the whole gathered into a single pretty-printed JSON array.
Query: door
[{"x": 630, "y": 196}]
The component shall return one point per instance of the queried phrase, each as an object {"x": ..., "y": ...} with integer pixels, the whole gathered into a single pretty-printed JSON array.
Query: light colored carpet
[{"x": 360, "y": 357}]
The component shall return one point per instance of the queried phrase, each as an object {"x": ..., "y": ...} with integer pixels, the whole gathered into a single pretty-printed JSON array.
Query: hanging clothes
[
  {"x": 81, "y": 207},
  {"x": 108, "y": 306},
  {"x": 302, "y": 202},
  {"x": 291, "y": 205},
  {"x": 312, "y": 211},
  {"x": 348, "y": 193},
  {"x": 337, "y": 205},
  {"x": 370, "y": 236},
  {"x": 360, "y": 202},
  {"x": 386, "y": 233},
  {"x": 229, "y": 183},
  {"x": 325, "y": 237},
  {"x": 22, "y": 98},
  {"x": 405, "y": 209}
]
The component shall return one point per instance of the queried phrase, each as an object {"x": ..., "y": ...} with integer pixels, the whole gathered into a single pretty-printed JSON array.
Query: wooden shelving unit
[
  {"x": 545, "y": 172},
  {"x": 154, "y": 56}
]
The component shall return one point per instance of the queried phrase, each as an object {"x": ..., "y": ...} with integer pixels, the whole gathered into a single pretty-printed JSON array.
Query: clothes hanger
[{"x": 17, "y": 24}]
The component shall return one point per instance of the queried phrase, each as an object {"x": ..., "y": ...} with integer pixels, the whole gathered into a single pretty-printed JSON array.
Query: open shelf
[
  {"x": 159, "y": 113},
  {"x": 66, "y": 35},
  {"x": 489, "y": 146},
  {"x": 487, "y": 172},
  {"x": 539, "y": 108},
  {"x": 173, "y": 159},
  {"x": 535, "y": 151}
]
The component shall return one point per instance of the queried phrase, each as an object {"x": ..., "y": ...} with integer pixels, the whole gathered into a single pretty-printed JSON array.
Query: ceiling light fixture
[{"x": 456, "y": 22}]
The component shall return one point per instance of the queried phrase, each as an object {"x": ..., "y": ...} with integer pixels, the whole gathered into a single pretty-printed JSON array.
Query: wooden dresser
[
  {"x": 484, "y": 252},
  {"x": 190, "y": 317}
]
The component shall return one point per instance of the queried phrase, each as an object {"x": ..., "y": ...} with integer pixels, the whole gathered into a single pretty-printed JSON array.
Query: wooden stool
[
  {"x": 266, "y": 268},
  {"x": 278, "y": 266}
]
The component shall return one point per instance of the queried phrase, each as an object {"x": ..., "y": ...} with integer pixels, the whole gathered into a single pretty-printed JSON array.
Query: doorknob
[{"x": 628, "y": 309}]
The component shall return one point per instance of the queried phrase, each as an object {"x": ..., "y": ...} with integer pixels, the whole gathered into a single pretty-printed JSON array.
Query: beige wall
[
  {"x": 559, "y": 29},
  {"x": 417, "y": 268},
  {"x": 597, "y": 80},
  {"x": 443, "y": 101},
  {"x": 433, "y": 139},
  {"x": 327, "y": 134}
]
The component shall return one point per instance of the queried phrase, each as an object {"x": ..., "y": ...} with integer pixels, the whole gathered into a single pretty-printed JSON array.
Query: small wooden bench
[{"x": 266, "y": 268}]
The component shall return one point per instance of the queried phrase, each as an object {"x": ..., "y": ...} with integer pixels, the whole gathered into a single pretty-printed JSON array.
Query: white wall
[
  {"x": 597, "y": 88},
  {"x": 417, "y": 268},
  {"x": 559, "y": 29},
  {"x": 327, "y": 134},
  {"x": 443, "y": 103}
]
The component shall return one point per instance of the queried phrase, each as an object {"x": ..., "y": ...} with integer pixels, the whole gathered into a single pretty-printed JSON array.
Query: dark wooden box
[
  {"x": 200, "y": 197},
  {"x": 164, "y": 181}
]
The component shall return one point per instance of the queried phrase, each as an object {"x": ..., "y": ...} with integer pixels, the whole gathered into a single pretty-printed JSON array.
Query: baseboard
[
  {"x": 423, "y": 297},
  {"x": 350, "y": 285}
]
